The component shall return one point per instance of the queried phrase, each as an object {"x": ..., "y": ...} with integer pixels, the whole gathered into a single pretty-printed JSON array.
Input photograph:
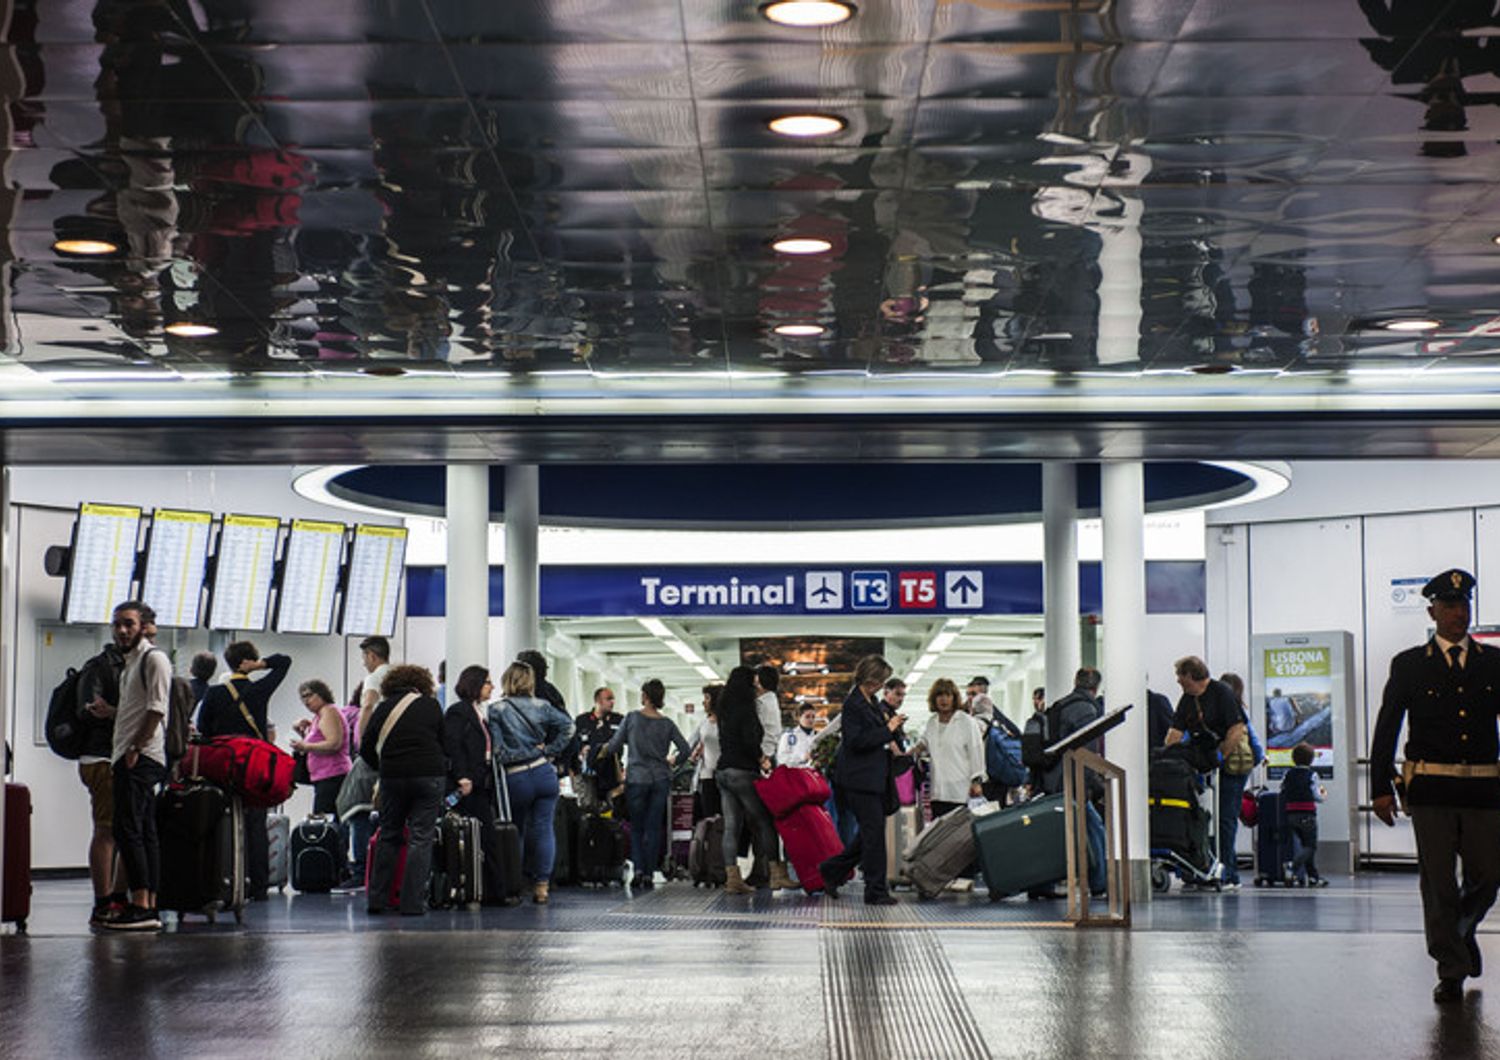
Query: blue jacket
[
  {"x": 863, "y": 762},
  {"x": 518, "y": 724}
]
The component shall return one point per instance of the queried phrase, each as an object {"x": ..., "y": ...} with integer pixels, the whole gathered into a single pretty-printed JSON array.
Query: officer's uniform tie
[{"x": 1455, "y": 652}]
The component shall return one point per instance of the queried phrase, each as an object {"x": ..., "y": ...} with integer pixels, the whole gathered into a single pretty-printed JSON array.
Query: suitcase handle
[{"x": 502, "y": 790}]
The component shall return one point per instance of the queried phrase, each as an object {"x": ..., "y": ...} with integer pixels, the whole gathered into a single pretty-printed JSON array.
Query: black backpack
[
  {"x": 68, "y": 724},
  {"x": 177, "y": 726}
]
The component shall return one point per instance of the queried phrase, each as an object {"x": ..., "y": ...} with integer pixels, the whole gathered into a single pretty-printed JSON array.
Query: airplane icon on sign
[{"x": 825, "y": 590}]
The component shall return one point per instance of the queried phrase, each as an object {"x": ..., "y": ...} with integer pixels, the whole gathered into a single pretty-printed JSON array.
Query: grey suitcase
[
  {"x": 901, "y": 828},
  {"x": 279, "y": 843},
  {"x": 1023, "y": 847},
  {"x": 943, "y": 850}
]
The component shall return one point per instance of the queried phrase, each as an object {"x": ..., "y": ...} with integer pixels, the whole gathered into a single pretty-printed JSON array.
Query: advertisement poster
[{"x": 1299, "y": 706}]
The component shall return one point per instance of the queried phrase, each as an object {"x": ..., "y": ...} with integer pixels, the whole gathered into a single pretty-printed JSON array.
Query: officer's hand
[{"x": 1385, "y": 809}]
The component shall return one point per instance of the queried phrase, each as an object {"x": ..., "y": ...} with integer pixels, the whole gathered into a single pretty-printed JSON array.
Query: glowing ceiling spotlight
[{"x": 807, "y": 14}]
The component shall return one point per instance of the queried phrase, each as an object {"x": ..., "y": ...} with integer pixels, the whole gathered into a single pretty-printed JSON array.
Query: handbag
[
  {"x": 358, "y": 793},
  {"x": 300, "y": 773}
]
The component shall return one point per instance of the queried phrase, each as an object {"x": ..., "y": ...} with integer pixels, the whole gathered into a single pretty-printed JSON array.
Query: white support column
[
  {"x": 1060, "y": 571},
  {"x": 1122, "y": 496},
  {"x": 522, "y": 577},
  {"x": 466, "y": 614}
]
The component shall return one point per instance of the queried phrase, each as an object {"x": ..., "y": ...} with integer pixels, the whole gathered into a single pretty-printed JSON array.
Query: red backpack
[{"x": 259, "y": 772}]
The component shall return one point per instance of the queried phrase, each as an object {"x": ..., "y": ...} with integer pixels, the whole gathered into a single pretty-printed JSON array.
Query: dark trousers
[
  {"x": 480, "y": 804},
  {"x": 409, "y": 804},
  {"x": 648, "y": 822},
  {"x": 868, "y": 847},
  {"x": 706, "y": 803},
  {"x": 257, "y": 849},
  {"x": 326, "y": 795},
  {"x": 1451, "y": 912},
  {"x": 1302, "y": 843},
  {"x": 994, "y": 791},
  {"x": 134, "y": 824}
]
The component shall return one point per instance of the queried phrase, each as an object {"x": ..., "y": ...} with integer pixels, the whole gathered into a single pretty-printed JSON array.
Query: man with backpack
[
  {"x": 85, "y": 731},
  {"x": 139, "y": 757}
]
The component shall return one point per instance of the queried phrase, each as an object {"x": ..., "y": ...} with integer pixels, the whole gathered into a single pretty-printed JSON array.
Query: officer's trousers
[{"x": 1452, "y": 909}]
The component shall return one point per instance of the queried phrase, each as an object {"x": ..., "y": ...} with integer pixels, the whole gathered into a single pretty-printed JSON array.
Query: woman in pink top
[{"x": 324, "y": 739}]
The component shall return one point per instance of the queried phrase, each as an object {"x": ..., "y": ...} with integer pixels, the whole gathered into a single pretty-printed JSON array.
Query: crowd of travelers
[{"x": 405, "y": 750}]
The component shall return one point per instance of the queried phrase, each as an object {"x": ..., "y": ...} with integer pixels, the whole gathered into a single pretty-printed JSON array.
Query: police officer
[{"x": 1450, "y": 690}]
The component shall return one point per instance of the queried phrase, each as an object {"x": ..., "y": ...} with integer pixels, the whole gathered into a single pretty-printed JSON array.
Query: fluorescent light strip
[
  {"x": 656, "y": 627},
  {"x": 682, "y": 651},
  {"x": 707, "y": 674},
  {"x": 925, "y": 662}
]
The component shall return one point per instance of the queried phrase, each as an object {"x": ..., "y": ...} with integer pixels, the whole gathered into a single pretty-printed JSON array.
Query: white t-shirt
[
  {"x": 142, "y": 694},
  {"x": 372, "y": 682},
  {"x": 795, "y": 747},
  {"x": 957, "y": 752},
  {"x": 768, "y": 709}
]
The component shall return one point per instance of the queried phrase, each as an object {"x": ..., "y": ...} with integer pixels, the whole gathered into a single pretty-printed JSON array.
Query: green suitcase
[{"x": 1022, "y": 848}]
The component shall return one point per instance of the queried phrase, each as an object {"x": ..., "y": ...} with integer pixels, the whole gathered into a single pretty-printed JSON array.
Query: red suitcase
[
  {"x": 787, "y": 788},
  {"x": 15, "y": 901},
  {"x": 810, "y": 839},
  {"x": 393, "y": 900}
]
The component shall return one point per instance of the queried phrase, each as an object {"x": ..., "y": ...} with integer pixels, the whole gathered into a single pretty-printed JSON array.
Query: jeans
[
  {"x": 1231, "y": 791},
  {"x": 134, "y": 825},
  {"x": 1302, "y": 844},
  {"x": 741, "y": 805},
  {"x": 648, "y": 822},
  {"x": 868, "y": 849},
  {"x": 1098, "y": 871},
  {"x": 360, "y": 828},
  {"x": 411, "y": 805},
  {"x": 533, "y": 804},
  {"x": 843, "y": 822}
]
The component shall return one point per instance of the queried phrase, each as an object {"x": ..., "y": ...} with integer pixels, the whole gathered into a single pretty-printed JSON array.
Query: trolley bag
[
  {"x": 15, "y": 892},
  {"x": 788, "y": 788},
  {"x": 1271, "y": 854},
  {"x": 565, "y": 836},
  {"x": 279, "y": 844},
  {"x": 1022, "y": 847},
  {"x": 706, "y": 855},
  {"x": 810, "y": 839},
  {"x": 943, "y": 850},
  {"x": 680, "y": 826},
  {"x": 393, "y": 899},
  {"x": 602, "y": 845},
  {"x": 201, "y": 832},
  {"x": 1173, "y": 806},
  {"x": 507, "y": 841},
  {"x": 901, "y": 829},
  {"x": 317, "y": 855},
  {"x": 457, "y": 862}
]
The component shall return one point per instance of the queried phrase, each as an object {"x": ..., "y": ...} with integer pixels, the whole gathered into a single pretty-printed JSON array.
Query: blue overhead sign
[{"x": 920, "y": 589}]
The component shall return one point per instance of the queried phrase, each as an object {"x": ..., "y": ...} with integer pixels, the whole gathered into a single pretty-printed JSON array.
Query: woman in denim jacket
[{"x": 528, "y": 734}]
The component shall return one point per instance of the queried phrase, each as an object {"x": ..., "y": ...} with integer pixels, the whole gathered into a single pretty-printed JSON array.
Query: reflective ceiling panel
[{"x": 456, "y": 211}]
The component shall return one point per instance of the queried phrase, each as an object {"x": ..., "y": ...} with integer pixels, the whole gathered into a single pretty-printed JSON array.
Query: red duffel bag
[
  {"x": 259, "y": 772},
  {"x": 788, "y": 788}
]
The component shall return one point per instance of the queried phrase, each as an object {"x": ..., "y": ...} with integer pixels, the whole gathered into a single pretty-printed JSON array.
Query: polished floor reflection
[{"x": 692, "y": 973}]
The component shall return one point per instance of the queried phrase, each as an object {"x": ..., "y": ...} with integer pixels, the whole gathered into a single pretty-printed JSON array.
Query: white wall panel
[
  {"x": 1487, "y": 566},
  {"x": 1402, "y": 546}
]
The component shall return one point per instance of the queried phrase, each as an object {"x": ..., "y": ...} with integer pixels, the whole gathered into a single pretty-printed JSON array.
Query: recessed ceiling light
[
  {"x": 1412, "y": 324},
  {"x": 1495, "y": 238},
  {"x": 799, "y": 331},
  {"x": 84, "y": 246},
  {"x": 807, "y": 13},
  {"x": 191, "y": 331},
  {"x": 801, "y": 245},
  {"x": 805, "y": 125}
]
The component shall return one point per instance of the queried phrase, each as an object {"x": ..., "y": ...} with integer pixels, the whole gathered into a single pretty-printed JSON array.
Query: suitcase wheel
[
  {"x": 21, "y": 926},
  {"x": 1161, "y": 879},
  {"x": 239, "y": 916},
  {"x": 212, "y": 917}
]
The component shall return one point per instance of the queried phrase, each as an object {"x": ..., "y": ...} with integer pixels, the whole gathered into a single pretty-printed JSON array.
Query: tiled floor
[{"x": 684, "y": 972}]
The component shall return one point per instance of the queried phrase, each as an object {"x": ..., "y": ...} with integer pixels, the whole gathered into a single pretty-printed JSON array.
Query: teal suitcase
[{"x": 1022, "y": 848}]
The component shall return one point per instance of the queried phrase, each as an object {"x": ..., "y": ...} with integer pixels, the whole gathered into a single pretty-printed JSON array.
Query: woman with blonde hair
[{"x": 528, "y": 734}]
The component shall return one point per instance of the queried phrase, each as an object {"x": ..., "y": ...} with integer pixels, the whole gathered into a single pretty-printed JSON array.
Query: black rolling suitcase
[
  {"x": 1271, "y": 854},
  {"x": 457, "y": 876},
  {"x": 602, "y": 847},
  {"x": 565, "y": 833},
  {"x": 201, "y": 831},
  {"x": 507, "y": 840},
  {"x": 317, "y": 855}
]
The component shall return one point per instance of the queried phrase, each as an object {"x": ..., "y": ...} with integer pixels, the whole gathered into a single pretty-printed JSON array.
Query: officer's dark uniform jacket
[{"x": 1451, "y": 718}]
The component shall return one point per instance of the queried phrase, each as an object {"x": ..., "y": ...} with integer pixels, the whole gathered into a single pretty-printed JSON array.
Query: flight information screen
[
  {"x": 103, "y": 562},
  {"x": 375, "y": 574},
  {"x": 176, "y": 557},
  {"x": 310, "y": 577},
  {"x": 241, "y": 594}
]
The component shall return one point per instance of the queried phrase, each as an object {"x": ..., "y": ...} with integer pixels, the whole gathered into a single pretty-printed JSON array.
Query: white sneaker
[
  {"x": 1230, "y": 888},
  {"x": 657, "y": 879},
  {"x": 961, "y": 886},
  {"x": 627, "y": 874}
]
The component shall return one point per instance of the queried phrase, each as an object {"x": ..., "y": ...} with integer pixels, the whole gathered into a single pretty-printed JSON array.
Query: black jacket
[
  {"x": 464, "y": 741},
  {"x": 415, "y": 745},
  {"x": 1450, "y": 717},
  {"x": 1065, "y": 717},
  {"x": 590, "y": 733},
  {"x": 1158, "y": 718},
  {"x": 740, "y": 734},
  {"x": 220, "y": 715},
  {"x": 864, "y": 761}
]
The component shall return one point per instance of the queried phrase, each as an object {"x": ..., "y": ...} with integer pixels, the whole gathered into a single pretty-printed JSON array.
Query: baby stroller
[{"x": 1182, "y": 842}]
